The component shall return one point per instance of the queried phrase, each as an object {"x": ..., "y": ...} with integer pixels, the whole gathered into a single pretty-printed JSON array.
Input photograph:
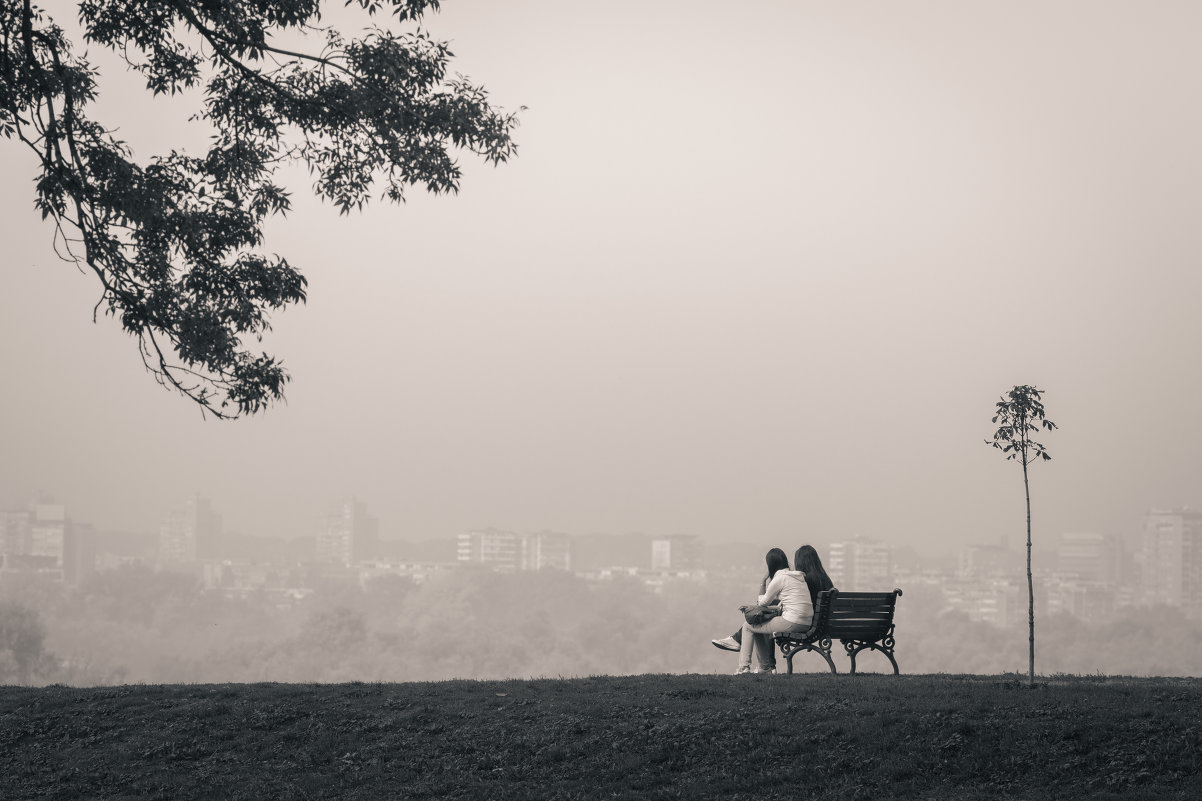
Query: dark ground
[{"x": 635, "y": 737}]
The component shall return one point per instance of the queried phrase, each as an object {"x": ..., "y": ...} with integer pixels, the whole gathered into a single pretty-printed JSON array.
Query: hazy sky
[{"x": 759, "y": 272}]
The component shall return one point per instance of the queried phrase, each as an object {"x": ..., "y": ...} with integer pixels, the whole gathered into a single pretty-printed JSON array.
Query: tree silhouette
[
  {"x": 1020, "y": 414},
  {"x": 175, "y": 242}
]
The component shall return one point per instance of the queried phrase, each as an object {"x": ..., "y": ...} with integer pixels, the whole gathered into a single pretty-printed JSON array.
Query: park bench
[{"x": 859, "y": 620}]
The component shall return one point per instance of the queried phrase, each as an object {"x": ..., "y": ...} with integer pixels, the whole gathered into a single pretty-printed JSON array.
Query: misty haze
[
  {"x": 744, "y": 286},
  {"x": 632, "y": 400}
]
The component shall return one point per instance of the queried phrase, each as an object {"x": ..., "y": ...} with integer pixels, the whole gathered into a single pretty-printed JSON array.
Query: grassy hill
[{"x": 633, "y": 737}]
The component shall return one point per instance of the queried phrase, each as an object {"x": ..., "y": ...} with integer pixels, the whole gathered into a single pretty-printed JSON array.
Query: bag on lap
[{"x": 759, "y": 613}]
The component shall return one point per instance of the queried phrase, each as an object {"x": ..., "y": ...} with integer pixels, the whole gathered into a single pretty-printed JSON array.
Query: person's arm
[
  {"x": 763, "y": 589},
  {"x": 772, "y": 591}
]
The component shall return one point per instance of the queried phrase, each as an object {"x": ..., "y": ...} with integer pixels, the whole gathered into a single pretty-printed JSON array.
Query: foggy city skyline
[{"x": 758, "y": 282}]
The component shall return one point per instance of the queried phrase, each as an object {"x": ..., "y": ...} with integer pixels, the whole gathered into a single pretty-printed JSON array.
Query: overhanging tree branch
[{"x": 173, "y": 241}]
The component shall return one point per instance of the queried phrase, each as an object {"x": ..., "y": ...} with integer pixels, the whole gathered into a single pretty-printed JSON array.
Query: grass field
[{"x": 633, "y": 737}]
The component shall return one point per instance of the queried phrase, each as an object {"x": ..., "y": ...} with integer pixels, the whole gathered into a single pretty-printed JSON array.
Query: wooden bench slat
[
  {"x": 858, "y": 632},
  {"x": 865, "y": 603},
  {"x": 861, "y": 616},
  {"x": 836, "y": 619},
  {"x": 844, "y": 595},
  {"x": 848, "y": 622}
]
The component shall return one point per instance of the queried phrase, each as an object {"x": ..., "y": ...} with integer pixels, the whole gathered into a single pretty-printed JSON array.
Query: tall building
[
  {"x": 79, "y": 552},
  {"x": 1171, "y": 557},
  {"x": 15, "y": 532},
  {"x": 190, "y": 534},
  {"x": 861, "y": 565},
  {"x": 678, "y": 552},
  {"x": 505, "y": 550},
  {"x": 350, "y": 535},
  {"x": 43, "y": 539},
  {"x": 177, "y": 543},
  {"x": 1089, "y": 557},
  {"x": 48, "y": 532},
  {"x": 497, "y": 549},
  {"x": 547, "y": 550},
  {"x": 988, "y": 560},
  {"x": 997, "y": 600}
]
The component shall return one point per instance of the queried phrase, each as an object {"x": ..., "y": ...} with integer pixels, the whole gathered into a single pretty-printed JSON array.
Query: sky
[{"x": 759, "y": 273}]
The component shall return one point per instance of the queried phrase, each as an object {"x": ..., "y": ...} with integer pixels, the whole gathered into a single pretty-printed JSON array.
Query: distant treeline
[{"x": 136, "y": 625}]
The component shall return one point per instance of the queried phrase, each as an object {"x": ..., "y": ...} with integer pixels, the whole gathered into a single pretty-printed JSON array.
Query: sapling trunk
[
  {"x": 1030, "y": 584},
  {"x": 1020, "y": 414}
]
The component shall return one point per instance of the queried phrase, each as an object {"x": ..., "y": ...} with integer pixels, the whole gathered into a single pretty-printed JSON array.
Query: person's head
[
  {"x": 776, "y": 560},
  {"x": 806, "y": 560}
]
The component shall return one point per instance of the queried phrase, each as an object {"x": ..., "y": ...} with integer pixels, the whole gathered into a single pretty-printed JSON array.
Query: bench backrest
[{"x": 865, "y": 616}]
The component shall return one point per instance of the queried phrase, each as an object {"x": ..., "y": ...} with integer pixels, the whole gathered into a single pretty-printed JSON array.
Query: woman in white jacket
[
  {"x": 776, "y": 560},
  {"x": 797, "y": 612}
]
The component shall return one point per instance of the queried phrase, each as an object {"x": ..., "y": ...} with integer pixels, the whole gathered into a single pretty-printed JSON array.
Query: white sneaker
[
  {"x": 744, "y": 670},
  {"x": 726, "y": 644},
  {"x": 771, "y": 670}
]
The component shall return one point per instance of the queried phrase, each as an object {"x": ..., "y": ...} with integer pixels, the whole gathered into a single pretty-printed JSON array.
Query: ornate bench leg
[
  {"x": 787, "y": 649},
  {"x": 854, "y": 647},
  {"x": 887, "y": 650},
  {"x": 824, "y": 647}
]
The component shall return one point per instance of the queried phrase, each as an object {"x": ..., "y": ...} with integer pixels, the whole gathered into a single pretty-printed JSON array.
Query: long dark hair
[
  {"x": 806, "y": 560},
  {"x": 776, "y": 560}
]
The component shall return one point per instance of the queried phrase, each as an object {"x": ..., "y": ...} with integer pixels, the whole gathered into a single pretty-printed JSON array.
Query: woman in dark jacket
[{"x": 806, "y": 560}]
